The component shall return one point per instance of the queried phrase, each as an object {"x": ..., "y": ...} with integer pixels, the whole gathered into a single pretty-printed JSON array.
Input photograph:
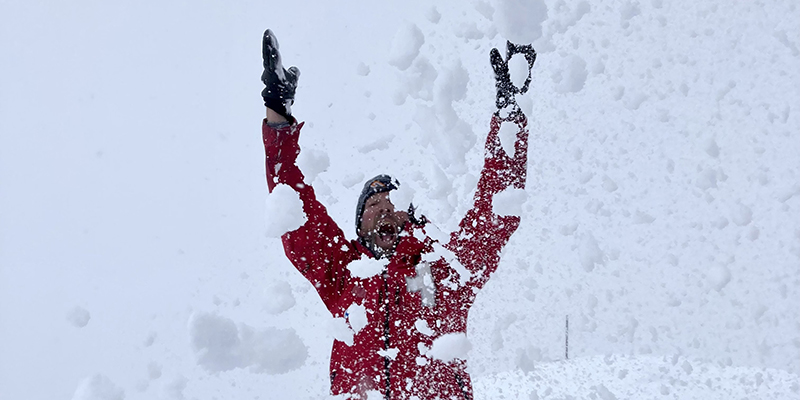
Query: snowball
[
  {"x": 78, "y": 317},
  {"x": 365, "y": 267},
  {"x": 362, "y": 69},
  {"x": 608, "y": 184},
  {"x": 712, "y": 149},
  {"x": 450, "y": 346},
  {"x": 433, "y": 15},
  {"x": 278, "y": 297},
  {"x": 221, "y": 346},
  {"x": 357, "y": 317},
  {"x": 570, "y": 77},
  {"x": 508, "y": 136},
  {"x": 634, "y": 100},
  {"x": 405, "y": 46},
  {"x": 312, "y": 162},
  {"x": 153, "y": 370},
  {"x": 590, "y": 253},
  {"x": 98, "y": 387},
  {"x": 509, "y": 201},
  {"x": 719, "y": 276},
  {"x": 520, "y": 21},
  {"x": 284, "y": 211}
]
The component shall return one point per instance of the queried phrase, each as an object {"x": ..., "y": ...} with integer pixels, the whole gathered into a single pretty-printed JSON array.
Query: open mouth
[{"x": 387, "y": 231}]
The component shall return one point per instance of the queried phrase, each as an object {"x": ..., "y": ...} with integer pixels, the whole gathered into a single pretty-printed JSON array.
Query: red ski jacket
[{"x": 390, "y": 353}]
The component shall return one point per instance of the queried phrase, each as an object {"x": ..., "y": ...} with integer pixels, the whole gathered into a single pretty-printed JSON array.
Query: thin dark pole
[{"x": 566, "y": 346}]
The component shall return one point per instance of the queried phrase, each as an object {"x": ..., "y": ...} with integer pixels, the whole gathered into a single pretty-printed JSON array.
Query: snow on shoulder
[{"x": 284, "y": 211}]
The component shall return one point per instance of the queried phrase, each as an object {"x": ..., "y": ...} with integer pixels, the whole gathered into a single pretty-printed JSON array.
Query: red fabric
[{"x": 319, "y": 250}]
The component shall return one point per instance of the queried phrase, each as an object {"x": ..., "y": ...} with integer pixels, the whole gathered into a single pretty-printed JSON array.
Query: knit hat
[{"x": 378, "y": 184}]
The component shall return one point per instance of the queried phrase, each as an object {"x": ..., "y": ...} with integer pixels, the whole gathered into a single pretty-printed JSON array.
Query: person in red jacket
[{"x": 420, "y": 296}]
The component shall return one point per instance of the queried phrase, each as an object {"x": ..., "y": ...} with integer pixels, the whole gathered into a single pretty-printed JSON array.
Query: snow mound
[
  {"x": 78, "y": 317},
  {"x": 520, "y": 21},
  {"x": 623, "y": 377},
  {"x": 220, "y": 345},
  {"x": 284, "y": 211},
  {"x": 98, "y": 387}
]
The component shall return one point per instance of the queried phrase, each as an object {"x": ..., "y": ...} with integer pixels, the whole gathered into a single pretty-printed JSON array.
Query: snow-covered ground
[{"x": 662, "y": 212}]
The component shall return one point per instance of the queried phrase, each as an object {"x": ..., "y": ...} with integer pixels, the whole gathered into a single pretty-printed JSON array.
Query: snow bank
[
  {"x": 98, "y": 387},
  {"x": 220, "y": 345},
  {"x": 284, "y": 211}
]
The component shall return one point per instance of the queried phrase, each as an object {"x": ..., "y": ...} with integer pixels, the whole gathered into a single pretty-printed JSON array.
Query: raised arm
[
  {"x": 482, "y": 233},
  {"x": 318, "y": 249}
]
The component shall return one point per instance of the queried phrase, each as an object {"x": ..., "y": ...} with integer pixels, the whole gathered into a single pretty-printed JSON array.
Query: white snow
[
  {"x": 284, "y": 211},
  {"x": 220, "y": 345},
  {"x": 278, "y": 297},
  {"x": 98, "y": 387},
  {"x": 520, "y": 21},
  {"x": 405, "y": 46},
  {"x": 449, "y": 347},
  {"x": 366, "y": 267},
  {"x": 509, "y": 201},
  {"x": 661, "y": 214},
  {"x": 78, "y": 317},
  {"x": 357, "y": 317}
]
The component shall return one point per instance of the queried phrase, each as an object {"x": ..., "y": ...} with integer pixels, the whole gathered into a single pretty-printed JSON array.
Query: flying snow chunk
[
  {"x": 78, "y": 317},
  {"x": 743, "y": 215},
  {"x": 509, "y": 202},
  {"x": 571, "y": 75},
  {"x": 278, "y": 297},
  {"x": 312, "y": 162},
  {"x": 590, "y": 253},
  {"x": 450, "y": 346},
  {"x": 719, "y": 276},
  {"x": 357, "y": 317},
  {"x": 402, "y": 197},
  {"x": 98, "y": 387},
  {"x": 520, "y": 21},
  {"x": 405, "y": 46},
  {"x": 220, "y": 345},
  {"x": 340, "y": 331},
  {"x": 365, "y": 267},
  {"x": 284, "y": 211}
]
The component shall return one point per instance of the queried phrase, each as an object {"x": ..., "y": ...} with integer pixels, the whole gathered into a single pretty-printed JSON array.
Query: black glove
[
  {"x": 280, "y": 83},
  {"x": 505, "y": 89}
]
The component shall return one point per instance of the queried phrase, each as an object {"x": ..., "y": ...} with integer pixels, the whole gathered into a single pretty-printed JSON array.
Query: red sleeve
[
  {"x": 318, "y": 249},
  {"x": 482, "y": 233}
]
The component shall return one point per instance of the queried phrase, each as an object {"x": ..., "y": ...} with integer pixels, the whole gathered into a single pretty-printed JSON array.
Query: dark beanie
[{"x": 378, "y": 184}]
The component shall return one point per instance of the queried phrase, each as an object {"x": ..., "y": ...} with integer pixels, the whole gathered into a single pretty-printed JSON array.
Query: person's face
[{"x": 380, "y": 224}]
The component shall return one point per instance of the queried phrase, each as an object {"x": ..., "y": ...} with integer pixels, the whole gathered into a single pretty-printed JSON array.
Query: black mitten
[
  {"x": 280, "y": 83},
  {"x": 505, "y": 89}
]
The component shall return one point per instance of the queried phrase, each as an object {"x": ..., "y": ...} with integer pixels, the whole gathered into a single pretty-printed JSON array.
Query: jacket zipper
[{"x": 384, "y": 298}]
